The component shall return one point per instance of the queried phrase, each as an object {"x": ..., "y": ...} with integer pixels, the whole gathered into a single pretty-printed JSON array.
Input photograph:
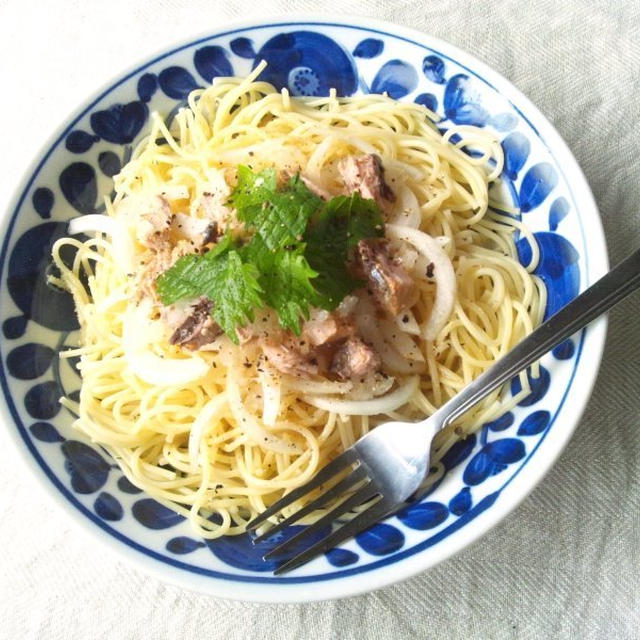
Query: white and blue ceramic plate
[{"x": 487, "y": 474}]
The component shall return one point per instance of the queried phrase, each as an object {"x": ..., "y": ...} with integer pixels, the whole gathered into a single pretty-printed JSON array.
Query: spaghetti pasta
[{"x": 219, "y": 433}]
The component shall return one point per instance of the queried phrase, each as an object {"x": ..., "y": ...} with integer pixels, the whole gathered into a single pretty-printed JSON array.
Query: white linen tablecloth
[{"x": 566, "y": 563}]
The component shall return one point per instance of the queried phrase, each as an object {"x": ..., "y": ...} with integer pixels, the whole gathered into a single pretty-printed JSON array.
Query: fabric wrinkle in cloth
[{"x": 565, "y": 563}]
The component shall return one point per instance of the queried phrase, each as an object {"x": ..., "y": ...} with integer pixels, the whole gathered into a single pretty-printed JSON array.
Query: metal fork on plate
[{"x": 390, "y": 462}]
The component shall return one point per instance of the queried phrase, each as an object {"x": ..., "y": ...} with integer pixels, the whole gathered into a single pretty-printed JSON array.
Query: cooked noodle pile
[{"x": 218, "y": 433}]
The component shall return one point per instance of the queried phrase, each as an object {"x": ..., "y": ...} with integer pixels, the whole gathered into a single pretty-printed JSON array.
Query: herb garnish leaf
[{"x": 296, "y": 257}]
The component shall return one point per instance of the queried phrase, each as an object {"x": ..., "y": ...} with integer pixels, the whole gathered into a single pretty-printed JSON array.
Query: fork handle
[{"x": 591, "y": 303}]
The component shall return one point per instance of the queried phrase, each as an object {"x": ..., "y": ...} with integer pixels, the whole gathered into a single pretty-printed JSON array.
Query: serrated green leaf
[
  {"x": 185, "y": 278},
  {"x": 251, "y": 192},
  {"x": 179, "y": 281},
  {"x": 285, "y": 278},
  {"x": 233, "y": 287},
  {"x": 219, "y": 275},
  {"x": 332, "y": 232},
  {"x": 296, "y": 258},
  {"x": 278, "y": 216},
  {"x": 288, "y": 288}
]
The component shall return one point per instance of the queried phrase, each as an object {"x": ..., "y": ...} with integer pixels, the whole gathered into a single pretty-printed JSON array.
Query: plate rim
[{"x": 521, "y": 486}]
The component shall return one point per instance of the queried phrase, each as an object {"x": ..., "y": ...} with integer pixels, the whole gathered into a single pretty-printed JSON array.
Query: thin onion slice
[
  {"x": 407, "y": 322},
  {"x": 383, "y": 404},
  {"x": 372, "y": 386},
  {"x": 271, "y": 397},
  {"x": 175, "y": 192},
  {"x": 406, "y": 208},
  {"x": 316, "y": 386},
  {"x": 200, "y": 426},
  {"x": 252, "y": 427},
  {"x": 93, "y": 222},
  {"x": 402, "y": 342},
  {"x": 138, "y": 333},
  {"x": 193, "y": 229},
  {"x": 443, "y": 274},
  {"x": 369, "y": 330},
  {"x": 99, "y": 223}
]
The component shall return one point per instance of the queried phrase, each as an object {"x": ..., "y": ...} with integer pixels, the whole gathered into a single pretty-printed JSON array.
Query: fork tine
[
  {"x": 347, "y": 530},
  {"x": 364, "y": 493},
  {"x": 358, "y": 474},
  {"x": 337, "y": 464}
]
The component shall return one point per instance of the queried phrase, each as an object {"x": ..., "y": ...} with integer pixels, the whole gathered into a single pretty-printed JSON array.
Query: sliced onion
[
  {"x": 374, "y": 385},
  {"x": 402, "y": 342},
  {"x": 120, "y": 238},
  {"x": 317, "y": 189},
  {"x": 94, "y": 222},
  {"x": 200, "y": 426},
  {"x": 163, "y": 371},
  {"x": 271, "y": 396},
  {"x": 443, "y": 273},
  {"x": 189, "y": 227},
  {"x": 406, "y": 209},
  {"x": 383, "y": 404},
  {"x": 138, "y": 334},
  {"x": 217, "y": 183},
  {"x": 368, "y": 328},
  {"x": 317, "y": 386},
  {"x": 248, "y": 423},
  {"x": 404, "y": 168},
  {"x": 175, "y": 192},
  {"x": 316, "y": 161},
  {"x": 407, "y": 322},
  {"x": 279, "y": 154},
  {"x": 406, "y": 255}
]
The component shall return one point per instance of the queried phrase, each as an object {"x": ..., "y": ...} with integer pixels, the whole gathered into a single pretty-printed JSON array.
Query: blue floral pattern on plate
[{"x": 307, "y": 59}]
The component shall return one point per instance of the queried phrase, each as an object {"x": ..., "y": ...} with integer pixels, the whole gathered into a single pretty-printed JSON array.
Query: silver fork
[{"x": 390, "y": 462}]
